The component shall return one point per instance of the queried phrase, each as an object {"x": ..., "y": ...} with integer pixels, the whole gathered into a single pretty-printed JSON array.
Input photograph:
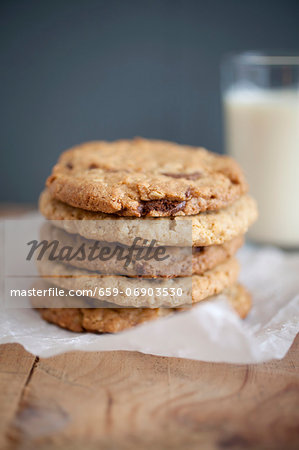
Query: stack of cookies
[{"x": 110, "y": 196}]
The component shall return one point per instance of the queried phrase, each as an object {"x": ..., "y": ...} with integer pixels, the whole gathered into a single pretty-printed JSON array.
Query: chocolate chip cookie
[
  {"x": 75, "y": 250},
  {"x": 129, "y": 291},
  {"x": 113, "y": 320},
  {"x": 143, "y": 177},
  {"x": 212, "y": 227}
]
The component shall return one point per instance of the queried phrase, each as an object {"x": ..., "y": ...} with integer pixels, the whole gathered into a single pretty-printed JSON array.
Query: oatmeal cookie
[
  {"x": 209, "y": 228},
  {"x": 143, "y": 177},
  {"x": 113, "y": 320},
  {"x": 79, "y": 252},
  {"x": 141, "y": 292}
]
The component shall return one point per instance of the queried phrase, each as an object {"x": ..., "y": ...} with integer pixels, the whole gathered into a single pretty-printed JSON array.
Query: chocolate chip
[
  {"x": 93, "y": 166},
  {"x": 165, "y": 206},
  {"x": 188, "y": 176},
  {"x": 188, "y": 193},
  {"x": 69, "y": 165},
  {"x": 197, "y": 249}
]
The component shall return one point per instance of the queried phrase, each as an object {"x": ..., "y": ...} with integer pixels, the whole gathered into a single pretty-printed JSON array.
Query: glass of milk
[{"x": 261, "y": 114}]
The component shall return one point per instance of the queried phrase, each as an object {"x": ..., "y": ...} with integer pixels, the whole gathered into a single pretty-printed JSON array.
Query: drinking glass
[{"x": 260, "y": 94}]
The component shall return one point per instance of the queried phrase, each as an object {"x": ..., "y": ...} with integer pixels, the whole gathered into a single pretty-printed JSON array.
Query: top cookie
[{"x": 145, "y": 178}]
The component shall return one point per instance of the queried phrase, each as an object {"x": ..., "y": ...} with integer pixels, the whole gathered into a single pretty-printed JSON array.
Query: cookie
[
  {"x": 200, "y": 230},
  {"x": 113, "y": 320},
  {"x": 142, "y": 177},
  {"x": 240, "y": 299},
  {"x": 134, "y": 292},
  {"x": 176, "y": 262}
]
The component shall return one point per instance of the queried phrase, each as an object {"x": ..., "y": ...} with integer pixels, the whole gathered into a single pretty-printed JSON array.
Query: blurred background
[{"x": 73, "y": 71}]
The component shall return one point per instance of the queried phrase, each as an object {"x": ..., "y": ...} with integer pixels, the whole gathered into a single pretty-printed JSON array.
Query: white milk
[{"x": 262, "y": 133}]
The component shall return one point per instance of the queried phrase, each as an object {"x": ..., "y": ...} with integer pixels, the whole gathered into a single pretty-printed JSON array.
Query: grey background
[{"x": 78, "y": 70}]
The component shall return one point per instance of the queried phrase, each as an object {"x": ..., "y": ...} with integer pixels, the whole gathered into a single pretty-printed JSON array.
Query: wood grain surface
[{"x": 127, "y": 400}]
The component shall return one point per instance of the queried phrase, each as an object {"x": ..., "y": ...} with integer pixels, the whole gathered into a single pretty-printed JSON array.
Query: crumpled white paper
[{"x": 210, "y": 331}]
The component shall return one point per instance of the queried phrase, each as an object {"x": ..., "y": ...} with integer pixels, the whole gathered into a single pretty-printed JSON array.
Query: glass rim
[{"x": 264, "y": 58}]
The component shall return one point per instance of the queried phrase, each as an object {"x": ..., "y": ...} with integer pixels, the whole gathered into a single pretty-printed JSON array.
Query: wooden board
[{"x": 123, "y": 400}]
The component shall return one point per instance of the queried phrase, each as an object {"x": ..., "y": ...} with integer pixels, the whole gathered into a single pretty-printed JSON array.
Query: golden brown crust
[
  {"x": 195, "y": 288},
  {"x": 102, "y": 320},
  {"x": 240, "y": 299},
  {"x": 214, "y": 227},
  {"x": 145, "y": 178},
  {"x": 206, "y": 258},
  {"x": 180, "y": 261}
]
